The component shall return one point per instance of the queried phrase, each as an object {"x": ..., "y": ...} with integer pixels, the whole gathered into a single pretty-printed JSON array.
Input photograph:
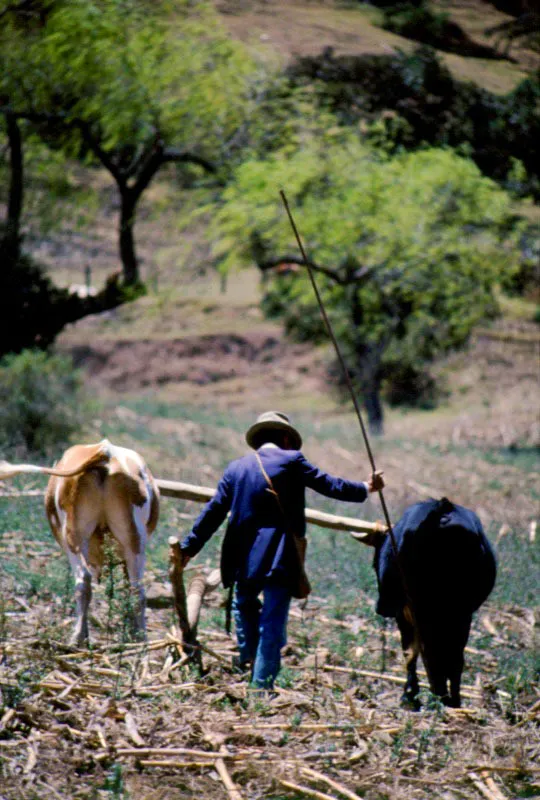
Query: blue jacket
[{"x": 256, "y": 546}]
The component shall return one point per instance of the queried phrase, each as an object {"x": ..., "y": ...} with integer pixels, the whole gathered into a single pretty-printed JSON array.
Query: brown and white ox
[{"x": 95, "y": 489}]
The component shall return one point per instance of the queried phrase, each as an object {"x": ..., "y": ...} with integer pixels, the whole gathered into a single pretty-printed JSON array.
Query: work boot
[{"x": 239, "y": 666}]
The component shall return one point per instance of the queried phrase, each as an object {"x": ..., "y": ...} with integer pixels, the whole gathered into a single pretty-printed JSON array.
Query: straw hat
[{"x": 273, "y": 420}]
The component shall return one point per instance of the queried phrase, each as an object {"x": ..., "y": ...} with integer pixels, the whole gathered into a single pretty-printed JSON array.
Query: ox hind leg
[
  {"x": 134, "y": 564},
  {"x": 82, "y": 541},
  {"x": 73, "y": 529},
  {"x": 83, "y": 595},
  {"x": 411, "y": 650},
  {"x": 83, "y": 562},
  {"x": 435, "y": 650},
  {"x": 445, "y": 637},
  {"x": 458, "y": 638},
  {"x": 127, "y": 523}
]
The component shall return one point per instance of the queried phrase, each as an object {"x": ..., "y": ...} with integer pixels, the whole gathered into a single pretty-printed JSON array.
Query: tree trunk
[
  {"x": 128, "y": 256},
  {"x": 10, "y": 245},
  {"x": 374, "y": 410}
]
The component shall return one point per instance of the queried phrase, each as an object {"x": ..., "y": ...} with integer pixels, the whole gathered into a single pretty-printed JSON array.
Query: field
[
  {"x": 124, "y": 720},
  {"x": 179, "y": 375}
]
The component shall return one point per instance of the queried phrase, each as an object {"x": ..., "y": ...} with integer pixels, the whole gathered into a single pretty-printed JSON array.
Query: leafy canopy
[
  {"x": 412, "y": 242},
  {"x": 135, "y": 69}
]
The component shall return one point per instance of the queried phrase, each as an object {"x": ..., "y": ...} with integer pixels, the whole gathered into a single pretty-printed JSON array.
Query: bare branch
[
  {"x": 272, "y": 263},
  {"x": 98, "y": 151},
  {"x": 186, "y": 157},
  {"x": 150, "y": 162}
]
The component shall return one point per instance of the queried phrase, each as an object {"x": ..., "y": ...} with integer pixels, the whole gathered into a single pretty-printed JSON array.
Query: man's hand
[{"x": 376, "y": 482}]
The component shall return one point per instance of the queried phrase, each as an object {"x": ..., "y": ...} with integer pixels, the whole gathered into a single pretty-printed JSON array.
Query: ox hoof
[
  {"x": 78, "y": 641},
  {"x": 139, "y": 635},
  {"x": 410, "y": 703},
  {"x": 451, "y": 702}
]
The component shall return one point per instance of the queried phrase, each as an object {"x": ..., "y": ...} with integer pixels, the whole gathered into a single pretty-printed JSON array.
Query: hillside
[{"x": 282, "y": 30}]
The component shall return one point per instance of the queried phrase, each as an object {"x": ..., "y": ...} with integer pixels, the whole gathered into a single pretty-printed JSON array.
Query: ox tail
[{"x": 95, "y": 459}]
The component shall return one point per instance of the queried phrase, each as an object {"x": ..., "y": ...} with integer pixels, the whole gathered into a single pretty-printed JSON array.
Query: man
[{"x": 265, "y": 495}]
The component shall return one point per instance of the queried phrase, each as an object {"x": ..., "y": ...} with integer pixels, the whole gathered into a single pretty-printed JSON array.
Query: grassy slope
[{"x": 284, "y": 28}]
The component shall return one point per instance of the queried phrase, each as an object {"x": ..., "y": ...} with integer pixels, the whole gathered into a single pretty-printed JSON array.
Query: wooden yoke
[
  {"x": 368, "y": 533},
  {"x": 199, "y": 587},
  {"x": 188, "y": 605},
  {"x": 176, "y": 576}
]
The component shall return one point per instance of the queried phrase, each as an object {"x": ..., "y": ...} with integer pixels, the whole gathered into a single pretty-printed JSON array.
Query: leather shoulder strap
[{"x": 269, "y": 482}]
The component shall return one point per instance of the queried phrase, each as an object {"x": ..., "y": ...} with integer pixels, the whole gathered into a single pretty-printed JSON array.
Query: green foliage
[
  {"x": 437, "y": 108},
  {"x": 124, "y": 69},
  {"x": 53, "y": 192},
  {"x": 40, "y": 402},
  {"x": 129, "y": 85},
  {"x": 416, "y": 21},
  {"x": 525, "y": 280},
  {"x": 412, "y": 243},
  {"x": 285, "y": 116}
]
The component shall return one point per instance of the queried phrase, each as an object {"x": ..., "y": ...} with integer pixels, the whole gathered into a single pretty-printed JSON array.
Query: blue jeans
[{"x": 261, "y": 629}]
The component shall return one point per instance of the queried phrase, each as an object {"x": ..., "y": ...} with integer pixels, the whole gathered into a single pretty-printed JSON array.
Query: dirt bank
[{"x": 127, "y": 365}]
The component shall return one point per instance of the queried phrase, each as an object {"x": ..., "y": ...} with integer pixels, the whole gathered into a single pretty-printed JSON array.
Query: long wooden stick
[
  {"x": 176, "y": 576},
  {"x": 228, "y": 782},
  {"x": 338, "y": 787},
  {"x": 341, "y": 360},
  {"x": 356, "y": 405},
  {"x": 296, "y": 787},
  {"x": 202, "y": 494}
]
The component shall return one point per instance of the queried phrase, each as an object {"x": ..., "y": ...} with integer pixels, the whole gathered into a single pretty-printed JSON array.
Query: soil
[
  {"x": 125, "y": 366},
  {"x": 492, "y": 384},
  {"x": 285, "y": 30},
  {"x": 134, "y": 721}
]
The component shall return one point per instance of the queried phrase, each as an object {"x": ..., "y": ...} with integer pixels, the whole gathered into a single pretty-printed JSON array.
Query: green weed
[
  {"x": 426, "y": 736},
  {"x": 114, "y": 783},
  {"x": 41, "y": 402},
  {"x": 286, "y": 678},
  {"x": 400, "y": 741}
]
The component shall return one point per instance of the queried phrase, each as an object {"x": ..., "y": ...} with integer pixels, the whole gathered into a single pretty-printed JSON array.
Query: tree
[
  {"x": 32, "y": 309},
  {"x": 11, "y": 239},
  {"x": 412, "y": 99},
  {"x": 406, "y": 250},
  {"x": 524, "y": 29},
  {"x": 130, "y": 85}
]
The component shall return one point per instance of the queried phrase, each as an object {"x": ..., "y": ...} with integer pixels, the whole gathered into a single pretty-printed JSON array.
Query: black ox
[{"x": 449, "y": 569}]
